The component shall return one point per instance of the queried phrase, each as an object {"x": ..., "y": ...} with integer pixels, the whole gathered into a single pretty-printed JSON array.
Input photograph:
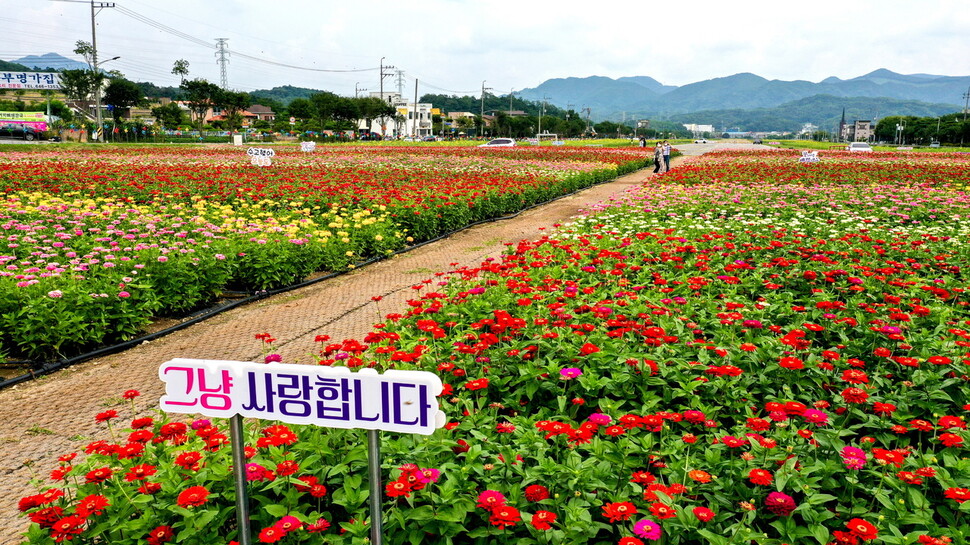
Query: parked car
[
  {"x": 16, "y": 130},
  {"x": 499, "y": 143},
  {"x": 700, "y": 141},
  {"x": 859, "y": 146}
]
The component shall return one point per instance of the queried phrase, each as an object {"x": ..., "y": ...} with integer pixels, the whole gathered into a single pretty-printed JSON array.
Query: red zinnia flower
[
  {"x": 504, "y": 515},
  {"x": 662, "y": 511},
  {"x": 140, "y": 472},
  {"x": 67, "y": 528},
  {"x": 862, "y": 529},
  {"x": 321, "y": 525},
  {"x": 161, "y": 534},
  {"x": 951, "y": 440},
  {"x": 543, "y": 520},
  {"x": 92, "y": 505},
  {"x": 98, "y": 476},
  {"x": 588, "y": 348},
  {"x": 271, "y": 534},
  {"x": 854, "y": 395},
  {"x": 958, "y": 495},
  {"x": 46, "y": 517},
  {"x": 760, "y": 477},
  {"x": 398, "y": 488},
  {"x": 619, "y": 511},
  {"x": 106, "y": 415},
  {"x": 193, "y": 496},
  {"x": 536, "y": 492},
  {"x": 703, "y": 514}
]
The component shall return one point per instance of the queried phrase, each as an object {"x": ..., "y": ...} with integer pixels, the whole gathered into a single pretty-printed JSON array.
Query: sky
[{"x": 460, "y": 46}]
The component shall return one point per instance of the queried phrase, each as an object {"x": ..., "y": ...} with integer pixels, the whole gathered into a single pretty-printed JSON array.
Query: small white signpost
[
  {"x": 261, "y": 157},
  {"x": 332, "y": 397}
]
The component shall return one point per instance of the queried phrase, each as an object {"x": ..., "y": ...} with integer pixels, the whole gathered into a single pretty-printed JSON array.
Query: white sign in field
[{"x": 332, "y": 397}]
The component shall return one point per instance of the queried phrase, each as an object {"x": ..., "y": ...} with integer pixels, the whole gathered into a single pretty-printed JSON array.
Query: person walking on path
[
  {"x": 666, "y": 156},
  {"x": 659, "y": 162}
]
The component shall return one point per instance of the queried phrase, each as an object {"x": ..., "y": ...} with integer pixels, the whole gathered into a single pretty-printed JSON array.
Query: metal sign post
[
  {"x": 376, "y": 494},
  {"x": 238, "y": 441}
]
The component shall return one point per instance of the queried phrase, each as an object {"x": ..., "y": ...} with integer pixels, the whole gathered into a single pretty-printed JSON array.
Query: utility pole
[
  {"x": 384, "y": 75},
  {"x": 966, "y": 104},
  {"x": 542, "y": 112},
  {"x": 99, "y": 131},
  {"x": 357, "y": 90},
  {"x": 222, "y": 59},
  {"x": 482, "y": 114}
]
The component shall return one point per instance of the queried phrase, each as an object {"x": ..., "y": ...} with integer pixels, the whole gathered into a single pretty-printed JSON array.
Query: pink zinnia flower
[
  {"x": 816, "y": 416},
  {"x": 490, "y": 499},
  {"x": 780, "y": 504},
  {"x": 568, "y": 373},
  {"x": 647, "y": 529},
  {"x": 853, "y": 457}
]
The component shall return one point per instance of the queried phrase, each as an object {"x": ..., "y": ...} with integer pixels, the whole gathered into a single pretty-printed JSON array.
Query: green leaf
[
  {"x": 712, "y": 538},
  {"x": 274, "y": 509},
  {"x": 820, "y": 533}
]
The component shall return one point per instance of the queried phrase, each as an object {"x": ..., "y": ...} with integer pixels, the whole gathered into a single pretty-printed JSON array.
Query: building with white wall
[{"x": 412, "y": 119}]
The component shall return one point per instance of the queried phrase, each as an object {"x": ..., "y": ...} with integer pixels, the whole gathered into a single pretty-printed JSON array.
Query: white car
[
  {"x": 859, "y": 146},
  {"x": 499, "y": 143},
  {"x": 700, "y": 141}
]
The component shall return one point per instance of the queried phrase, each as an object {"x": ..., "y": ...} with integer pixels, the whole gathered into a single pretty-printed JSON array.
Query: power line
[{"x": 164, "y": 28}]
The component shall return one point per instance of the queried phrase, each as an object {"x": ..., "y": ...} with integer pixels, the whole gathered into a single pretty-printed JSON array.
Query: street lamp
[{"x": 97, "y": 98}]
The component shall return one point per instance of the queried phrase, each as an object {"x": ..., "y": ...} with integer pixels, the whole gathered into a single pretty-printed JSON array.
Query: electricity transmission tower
[
  {"x": 400, "y": 82},
  {"x": 222, "y": 58}
]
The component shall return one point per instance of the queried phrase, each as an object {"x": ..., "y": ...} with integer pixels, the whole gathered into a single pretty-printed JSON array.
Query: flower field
[
  {"x": 99, "y": 242},
  {"x": 745, "y": 350}
]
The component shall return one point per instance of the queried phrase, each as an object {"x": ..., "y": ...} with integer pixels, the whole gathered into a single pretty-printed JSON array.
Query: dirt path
[{"x": 54, "y": 415}]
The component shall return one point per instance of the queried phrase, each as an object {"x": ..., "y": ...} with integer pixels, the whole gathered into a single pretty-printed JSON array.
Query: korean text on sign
[{"x": 333, "y": 397}]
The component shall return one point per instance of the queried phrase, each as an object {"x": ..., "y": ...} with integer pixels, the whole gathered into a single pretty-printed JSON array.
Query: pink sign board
[{"x": 333, "y": 397}]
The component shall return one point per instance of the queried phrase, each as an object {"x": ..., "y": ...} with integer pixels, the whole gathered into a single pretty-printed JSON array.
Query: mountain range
[
  {"x": 746, "y": 101},
  {"x": 645, "y": 97}
]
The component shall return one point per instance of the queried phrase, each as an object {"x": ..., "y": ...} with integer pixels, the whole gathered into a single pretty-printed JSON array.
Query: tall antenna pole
[
  {"x": 415, "y": 126},
  {"x": 222, "y": 58}
]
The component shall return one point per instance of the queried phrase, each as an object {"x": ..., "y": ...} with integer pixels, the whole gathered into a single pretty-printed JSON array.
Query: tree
[
  {"x": 169, "y": 115},
  {"x": 372, "y": 108},
  {"x": 181, "y": 69},
  {"x": 121, "y": 94},
  {"x": 86, "y": 50},
  {"x": 231, "y": 103},
  {"x": 77, "y": 84},
  {"x": 300, "y": 108},
  {"x": 201, "y": 96},
  {"x": 325, "y": 105}
]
